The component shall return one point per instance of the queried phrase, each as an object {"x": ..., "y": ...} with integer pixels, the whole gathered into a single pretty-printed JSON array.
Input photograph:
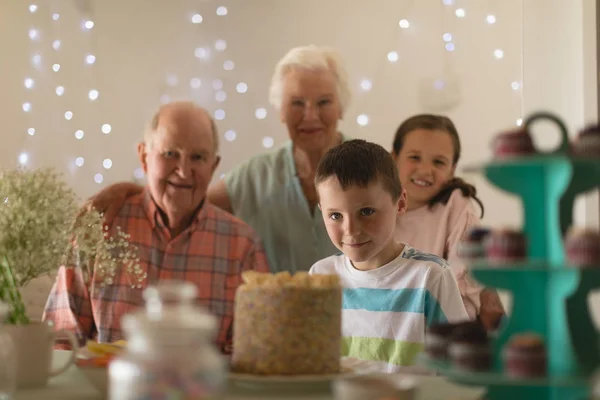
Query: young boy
[{"x": 391, "y": 290}]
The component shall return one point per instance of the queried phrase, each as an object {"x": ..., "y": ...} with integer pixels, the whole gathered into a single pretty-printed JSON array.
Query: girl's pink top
[{"x": 438, "y": 230}]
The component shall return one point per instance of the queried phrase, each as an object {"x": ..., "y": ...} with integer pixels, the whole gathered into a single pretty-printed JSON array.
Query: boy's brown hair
[{"x": 360, "y": 163}]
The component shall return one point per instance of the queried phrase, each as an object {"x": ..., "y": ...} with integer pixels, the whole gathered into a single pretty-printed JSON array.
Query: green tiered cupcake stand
[{"x": 550, "y": 297}]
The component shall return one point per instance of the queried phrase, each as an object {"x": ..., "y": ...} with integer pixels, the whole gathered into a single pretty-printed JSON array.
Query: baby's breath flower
[
  {"x": 40, "y": 229},
  {"x": 35, "y": 219},
  {"x": 97, "y": 251}
]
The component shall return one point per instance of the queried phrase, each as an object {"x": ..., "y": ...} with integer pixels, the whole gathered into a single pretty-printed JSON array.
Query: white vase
[
  {"x": 33, "y": 347},
  {"x": 8, "y": 362}
]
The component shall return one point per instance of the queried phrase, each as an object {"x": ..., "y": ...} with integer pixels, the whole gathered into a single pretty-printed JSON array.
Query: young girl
[{"x": 426, "y": 149}]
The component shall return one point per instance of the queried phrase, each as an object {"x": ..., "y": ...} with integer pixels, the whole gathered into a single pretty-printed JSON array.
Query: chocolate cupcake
[
  {"x": 505, "y": 246},
  {"x": 513, "y": 144},
  {"x": 525, "y": 356},
  {"x": 437, "y": 340},
  {"x": 472, "y": 248},
  {"x": 582, "y": 247},
  {"x": 587, "y": 143},
  {"x": 470, "y": 348}
]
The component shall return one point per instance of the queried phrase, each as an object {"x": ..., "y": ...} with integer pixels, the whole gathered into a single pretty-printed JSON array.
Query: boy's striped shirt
[{"x": 386, "y": 310}]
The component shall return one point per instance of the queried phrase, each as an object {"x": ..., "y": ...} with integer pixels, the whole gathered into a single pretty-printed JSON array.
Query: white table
[{"x": 73, "y": 385}]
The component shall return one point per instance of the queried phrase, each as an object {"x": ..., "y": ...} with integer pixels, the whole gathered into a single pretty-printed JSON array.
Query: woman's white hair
[{"x": 310, "y": 57}]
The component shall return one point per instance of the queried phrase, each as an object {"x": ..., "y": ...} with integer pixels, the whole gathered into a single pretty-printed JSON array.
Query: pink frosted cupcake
[
  {"x": 582, "y": 248},
  {"x": 471, "y": 248},
  {"x": 513, "y": 144},
  {"x": 437, "y": 339},
  {"x": 470, "y": 348},
  {"x": 587, "y": 143},
  {"x": 506, "y": 245},
  {"x": 525, "y": 356}
]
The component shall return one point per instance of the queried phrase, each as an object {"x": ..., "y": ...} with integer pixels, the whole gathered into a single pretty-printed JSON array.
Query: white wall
[
  {"x": 548, "y": 45},
  {"x": 560, "y": 73},
  {"x": 591, "y": 88},
  {"x": 138, "y": 43}
]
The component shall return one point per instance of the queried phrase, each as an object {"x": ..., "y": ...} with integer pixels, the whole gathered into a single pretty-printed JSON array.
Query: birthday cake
[{"x": 287, "y": 325}]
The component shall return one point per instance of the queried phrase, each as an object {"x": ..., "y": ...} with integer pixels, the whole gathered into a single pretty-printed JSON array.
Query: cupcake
[
  {"x": 587, "y": 143},
  {"x": 525, "y": 356},
  {"x": 471, "y": 247},
  {"x": 513, "y": 143},
  {"x": 582, "y": 247},
  {"x": 470, "y": 348},
  {"x": 505, "y": 246},
  {"x": 437, "y": 339}
]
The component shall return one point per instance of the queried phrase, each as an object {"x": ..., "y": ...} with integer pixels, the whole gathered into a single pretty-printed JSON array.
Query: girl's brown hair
[{"x": 437, "y": 122}]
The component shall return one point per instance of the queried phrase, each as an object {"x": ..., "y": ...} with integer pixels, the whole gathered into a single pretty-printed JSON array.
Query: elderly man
[{"x": 180, "y": 235}]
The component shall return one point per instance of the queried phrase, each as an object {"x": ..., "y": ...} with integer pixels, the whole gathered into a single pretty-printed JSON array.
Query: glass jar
[
  {"x": 8, "y": 360},
  {"x": 170, "y": 352}
]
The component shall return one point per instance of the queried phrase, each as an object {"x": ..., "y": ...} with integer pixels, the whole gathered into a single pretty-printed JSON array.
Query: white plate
[
  {"x": 97, "y": 376},
  {"x": 350, "y": 367}
]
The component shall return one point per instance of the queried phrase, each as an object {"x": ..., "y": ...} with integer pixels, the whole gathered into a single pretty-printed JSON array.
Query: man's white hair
[
  {"x": 152, "y": 125},
  {"x": 310, "y": 57}
]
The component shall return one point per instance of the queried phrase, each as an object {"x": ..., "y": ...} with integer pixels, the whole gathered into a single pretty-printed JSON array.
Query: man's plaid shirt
[{"x": 212, "y": 253}]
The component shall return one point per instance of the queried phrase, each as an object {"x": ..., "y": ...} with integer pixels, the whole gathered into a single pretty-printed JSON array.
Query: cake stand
[{"x": 550, "y": 297}]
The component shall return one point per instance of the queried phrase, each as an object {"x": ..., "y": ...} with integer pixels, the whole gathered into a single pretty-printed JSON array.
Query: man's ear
[
  {"x": 216, "y": 164},
  {"x": 142, "y": 155}
]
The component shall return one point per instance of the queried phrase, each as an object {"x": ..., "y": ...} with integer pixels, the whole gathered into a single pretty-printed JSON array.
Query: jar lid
[
  {"x": 171, "y": 292},
  {"x": 170, "y": 315}
]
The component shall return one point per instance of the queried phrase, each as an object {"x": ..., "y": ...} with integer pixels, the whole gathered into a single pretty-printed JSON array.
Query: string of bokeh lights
[
  {"x": 35, "y": 35},
  {"x": 447, "y": 39},
  {"x": 220, "y": 95}
]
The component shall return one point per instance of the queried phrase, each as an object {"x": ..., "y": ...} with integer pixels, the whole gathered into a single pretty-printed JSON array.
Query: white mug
[{"x": 34, "y": 344}]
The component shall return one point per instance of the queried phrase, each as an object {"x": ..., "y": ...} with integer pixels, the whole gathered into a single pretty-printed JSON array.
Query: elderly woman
[{"x": 275, "y": 192}]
